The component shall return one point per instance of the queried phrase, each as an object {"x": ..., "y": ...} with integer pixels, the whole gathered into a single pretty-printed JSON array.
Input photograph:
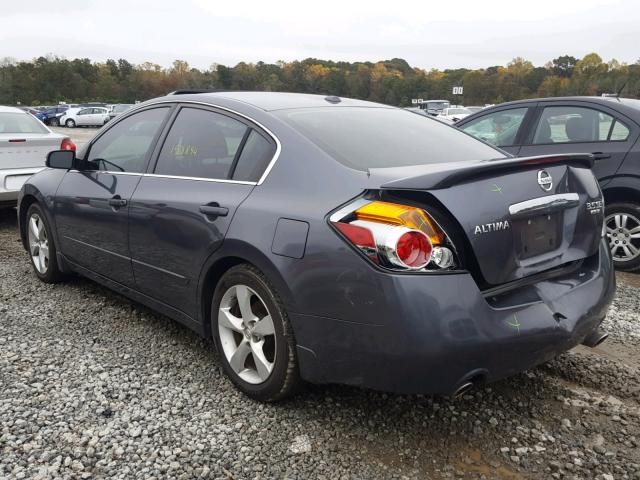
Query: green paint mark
[
  {"x": 496, "y": 188},
  {"x": 515, "y": 324}
]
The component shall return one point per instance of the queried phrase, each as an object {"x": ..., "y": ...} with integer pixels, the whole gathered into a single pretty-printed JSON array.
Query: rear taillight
[
  {"x": 67, "y": 144},
  {"x": 395, "y": 236}
]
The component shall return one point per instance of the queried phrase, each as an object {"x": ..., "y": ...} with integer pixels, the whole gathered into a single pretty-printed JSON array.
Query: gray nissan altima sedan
[{"x": 330, "y": 240}]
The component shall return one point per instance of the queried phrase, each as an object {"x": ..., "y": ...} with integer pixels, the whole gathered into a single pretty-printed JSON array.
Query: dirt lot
[{"x": 94, "y": 386}]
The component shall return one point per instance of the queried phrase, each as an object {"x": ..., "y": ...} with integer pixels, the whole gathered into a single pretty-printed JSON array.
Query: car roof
[
  {"x": 627, "y": 106},
  {"x": 269, "y": 101},
  {"x": 4, "y": 109}
]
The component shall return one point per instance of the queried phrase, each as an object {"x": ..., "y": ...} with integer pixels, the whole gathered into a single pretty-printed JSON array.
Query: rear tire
[
  {"x": 42, "y": 248},
  {"x": 54, "y": 122},
  {"x": 253, "y": 336},
  {"x": 623, "y": 232},
  {"x": 70, "y": 123}
]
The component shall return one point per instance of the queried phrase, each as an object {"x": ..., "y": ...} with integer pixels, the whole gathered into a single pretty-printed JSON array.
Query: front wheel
[
  {"x": 54, "y": 122},
  {"x": 70, "y": 123},
  {"x": 253, "y": 336},
  {"x": 42, "y": 249},
  {"x": 623, "y": 232}
]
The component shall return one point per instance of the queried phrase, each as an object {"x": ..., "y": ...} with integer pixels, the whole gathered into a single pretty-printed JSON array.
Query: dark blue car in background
[
  {"x": 51, "y": 116},
  {"x": 330, "y": 240},
  {"x": 606, "y": 127}
]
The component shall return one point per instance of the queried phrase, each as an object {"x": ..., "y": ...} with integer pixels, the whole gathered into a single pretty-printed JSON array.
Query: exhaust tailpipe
[
  {"x": 595, "y": 338},
  {"x": 462, "y": 389}
]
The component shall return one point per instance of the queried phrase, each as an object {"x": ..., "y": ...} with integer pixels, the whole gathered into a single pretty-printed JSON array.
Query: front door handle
[
  {"x": 117, "y": 202},
  {"x": 600, "y": 155},
  {"x": 213, "y": 210}
]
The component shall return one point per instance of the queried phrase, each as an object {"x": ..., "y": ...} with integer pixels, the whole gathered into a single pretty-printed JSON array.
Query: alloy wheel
[
  {"x": 247, "y": 334},
  {"x": 623, "y": 232},
  {"x": 38, "y": 244}
]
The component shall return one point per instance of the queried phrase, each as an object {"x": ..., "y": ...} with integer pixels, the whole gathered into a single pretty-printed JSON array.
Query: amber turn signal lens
[{"x": 405, "y": 215}]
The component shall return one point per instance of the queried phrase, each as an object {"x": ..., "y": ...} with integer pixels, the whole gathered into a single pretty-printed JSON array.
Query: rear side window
[
  {"x": 256, "y": 155},
  {"x": 570, "y": 124},
  {"x": 20, "y": 123},
  {"x": 200, "y": 144},
  {"x": 378, "y": 137},
  {"x": 619, "y": 132},
  {"x": 124, "y": 147},
  {"x": 498, "y": 128}
]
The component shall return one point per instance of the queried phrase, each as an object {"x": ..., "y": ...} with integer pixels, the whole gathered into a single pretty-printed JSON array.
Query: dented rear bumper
[{"x": 440, "y": 331}]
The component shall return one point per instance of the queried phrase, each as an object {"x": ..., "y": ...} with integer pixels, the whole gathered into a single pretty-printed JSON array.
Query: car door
[
  {"x": 181, "y": 211},
  {"x": 92, "y": 203},
  {"x": 581, "y": 127},
  {"x": 503, "y": 127},
  {"x": 99, "y": 116},
  {"x": 95, "y": 118},
  {"x": 83, "y": 116}
]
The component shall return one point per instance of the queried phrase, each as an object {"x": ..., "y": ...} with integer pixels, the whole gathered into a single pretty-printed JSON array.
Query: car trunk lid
[
  {"x": 521, "y": 216},
  {"x": 25, "y": 150}
]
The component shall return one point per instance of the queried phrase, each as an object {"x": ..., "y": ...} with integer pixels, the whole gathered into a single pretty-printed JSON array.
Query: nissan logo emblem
[{"x": 544, "y": 180}]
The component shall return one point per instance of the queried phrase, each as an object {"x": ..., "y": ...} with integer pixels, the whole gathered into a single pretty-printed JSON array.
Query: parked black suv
[{"x": 607, "y": 127}]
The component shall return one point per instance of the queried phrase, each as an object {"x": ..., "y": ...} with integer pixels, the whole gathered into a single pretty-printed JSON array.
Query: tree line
[{"x": 50, "y": 79}]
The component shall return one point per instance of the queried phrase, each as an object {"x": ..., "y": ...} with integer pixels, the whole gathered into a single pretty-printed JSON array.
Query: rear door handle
[
  {"x": 214, "y": 210},
  {"x": 600, "y": 155},
  {"x": 117, "y": 202}
]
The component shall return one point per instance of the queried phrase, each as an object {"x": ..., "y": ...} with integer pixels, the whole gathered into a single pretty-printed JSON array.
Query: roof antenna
[{"x": 621, "y": 88}]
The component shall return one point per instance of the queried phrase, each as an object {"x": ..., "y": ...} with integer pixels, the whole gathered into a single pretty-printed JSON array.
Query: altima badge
[
  {"x": 544, "y": 180},
  {"x": 491, "y": 227}
]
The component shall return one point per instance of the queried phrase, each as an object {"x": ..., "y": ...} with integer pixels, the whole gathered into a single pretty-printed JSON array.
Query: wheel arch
[
  {"x": 621, "y": 194},
  {"x": 26, "y": 201},
  {"x": 232, "y": 253}
]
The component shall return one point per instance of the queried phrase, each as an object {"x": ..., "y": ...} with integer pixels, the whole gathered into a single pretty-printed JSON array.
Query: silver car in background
[
  {"x": 24, "y": 145},
  {"x": 119, "y": 108}
]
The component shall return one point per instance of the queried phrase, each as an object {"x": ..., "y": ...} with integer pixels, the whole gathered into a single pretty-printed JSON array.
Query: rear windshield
[
  {"x": 363, "y": 138},
  {"x": 20, "y": 123}
]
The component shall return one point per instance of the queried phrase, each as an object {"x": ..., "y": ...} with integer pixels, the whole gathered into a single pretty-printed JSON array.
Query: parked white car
[
  {"x": 84, "y": 117},
  {"x": 455, "y": 113},
  {"x": 24, "y": 145}
]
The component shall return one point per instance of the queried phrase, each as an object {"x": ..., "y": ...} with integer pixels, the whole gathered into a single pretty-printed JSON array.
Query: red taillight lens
[
  {"x": 361, "y": 237},
  {"x": 396, "y": 236},
  {"x": 67, "y": 144},
  {"x": 413, "y": 248}
]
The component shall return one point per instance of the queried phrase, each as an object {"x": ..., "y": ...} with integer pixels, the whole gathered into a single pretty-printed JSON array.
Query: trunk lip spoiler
[{"x": 462, "y": 171}]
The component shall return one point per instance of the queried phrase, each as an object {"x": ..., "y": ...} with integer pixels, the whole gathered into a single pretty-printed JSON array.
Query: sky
[{"x": 428, "y": 34}]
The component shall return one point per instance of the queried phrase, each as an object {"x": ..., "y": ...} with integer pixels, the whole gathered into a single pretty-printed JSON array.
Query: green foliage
[{"x": 49, "y": 80}]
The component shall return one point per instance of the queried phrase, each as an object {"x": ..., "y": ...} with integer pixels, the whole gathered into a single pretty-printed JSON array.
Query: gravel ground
[{"x": 94, "y": 386}]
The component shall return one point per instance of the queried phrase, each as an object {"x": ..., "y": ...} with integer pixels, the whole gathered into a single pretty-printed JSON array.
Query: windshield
[
  {"x": 363, "y": 138},
  {"x": 20, "y": 123},
  {"x": 121, "y": 108},
  {"x": 437, "y": 105}
]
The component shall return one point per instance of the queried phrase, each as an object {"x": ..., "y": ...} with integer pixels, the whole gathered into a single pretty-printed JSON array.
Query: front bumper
[
  {"x": 446, "y": 332},
  {"x": 11, "y": 181}
]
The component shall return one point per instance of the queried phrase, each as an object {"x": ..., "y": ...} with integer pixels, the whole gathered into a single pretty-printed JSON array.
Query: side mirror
[{"x": 63, "y": 159}]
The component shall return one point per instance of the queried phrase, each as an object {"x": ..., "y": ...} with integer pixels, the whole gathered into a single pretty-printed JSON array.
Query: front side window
[
  {"x": 577, "y": 125},
  {"x": 498, "y": 128},
  {"x": 84, "y": 111},
  {"x": 124, "y": 147},
  {"x": 200, "y": 144}
]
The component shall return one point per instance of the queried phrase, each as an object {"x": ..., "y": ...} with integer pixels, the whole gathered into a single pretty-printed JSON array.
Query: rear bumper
[
  {"x": 446, "y": 332},
  {"x": 11, "y": 181}
]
